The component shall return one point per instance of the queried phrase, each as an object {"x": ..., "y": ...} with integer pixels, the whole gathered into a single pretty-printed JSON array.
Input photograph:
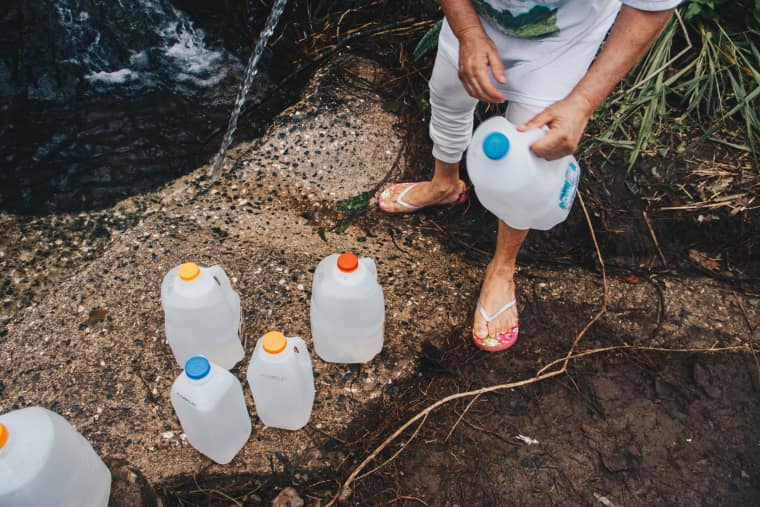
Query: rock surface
[
  {"x": 288, "y": 497},
  {"x": 94, "y": 349}
]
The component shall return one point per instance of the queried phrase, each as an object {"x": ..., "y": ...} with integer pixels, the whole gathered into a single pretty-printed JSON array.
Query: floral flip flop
[
  {"x": 385, "y": 198},
  {"x": 501, "y": 341}
]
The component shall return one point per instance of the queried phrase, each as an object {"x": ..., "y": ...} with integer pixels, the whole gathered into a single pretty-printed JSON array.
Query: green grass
[{"x": 702, "y": 76}]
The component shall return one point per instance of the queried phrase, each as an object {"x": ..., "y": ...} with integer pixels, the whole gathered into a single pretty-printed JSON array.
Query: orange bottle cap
[
  {"x": 348, "y": 262},
  {"x": 189, "y": 271},
  {"x": 3, "y": 435},
  {"x": 274, "y": 342}
]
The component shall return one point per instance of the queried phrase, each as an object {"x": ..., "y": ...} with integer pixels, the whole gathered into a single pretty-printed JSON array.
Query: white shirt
[{"x": 546, "y": 46}]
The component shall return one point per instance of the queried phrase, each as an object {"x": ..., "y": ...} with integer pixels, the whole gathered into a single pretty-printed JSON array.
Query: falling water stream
[{"x": 250, "y": 72}]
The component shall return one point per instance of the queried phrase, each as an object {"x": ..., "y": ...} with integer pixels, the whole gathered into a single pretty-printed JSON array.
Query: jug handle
[
  {"x": 534, "y": 135},
  {"x": 303, "y": 357},
  {"x": 220, "y": 276},
  {"x": 321, "y": 271},
  {"x": 370, "y": 264},
  {"x": 224, "y": 282},
  {"x": 166, "y": 282}
]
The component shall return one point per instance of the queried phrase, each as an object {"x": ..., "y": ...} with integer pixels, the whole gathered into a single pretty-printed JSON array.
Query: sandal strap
[
  {"x": 498, "y": 312},
  {"x": 400, "y": 199}
]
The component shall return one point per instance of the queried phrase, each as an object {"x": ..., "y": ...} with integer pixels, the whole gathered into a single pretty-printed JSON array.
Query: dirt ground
[
  {"x": 625, "y": 429},
  {"x": 665, "y": 414},
  {"x": 631, "y": 427}
]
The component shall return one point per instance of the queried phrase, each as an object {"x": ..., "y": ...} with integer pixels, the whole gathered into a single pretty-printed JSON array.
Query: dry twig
[
  {"x": 654, "y": 238},
  {"x": 466, "y": 409},
  {"x": 751, "y": 334},
  {"x": 413, "y": 498},
  {"x": 651, "y": 349}
]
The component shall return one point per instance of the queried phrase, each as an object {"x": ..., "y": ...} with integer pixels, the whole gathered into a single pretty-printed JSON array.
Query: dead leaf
[{"x": 703, "y": 260}]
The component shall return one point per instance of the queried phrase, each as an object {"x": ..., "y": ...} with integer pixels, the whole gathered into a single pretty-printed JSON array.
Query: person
[{"x": 540, "y": 57}]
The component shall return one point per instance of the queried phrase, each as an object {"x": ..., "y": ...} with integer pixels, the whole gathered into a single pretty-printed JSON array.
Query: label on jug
[
  {"x": 569, "y": 187},
  {"x": 186, "y": 399}
]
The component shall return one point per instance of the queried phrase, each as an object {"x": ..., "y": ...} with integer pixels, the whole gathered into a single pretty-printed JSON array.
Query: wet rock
[
  {"x": 335, "y": 144},
  {"x": 94, "y": 94}
]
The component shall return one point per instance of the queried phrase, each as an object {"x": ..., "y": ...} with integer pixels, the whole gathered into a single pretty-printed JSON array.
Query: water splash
[
  {"x": 250, "y": 72},
  {"x": 139, "y": 45}
]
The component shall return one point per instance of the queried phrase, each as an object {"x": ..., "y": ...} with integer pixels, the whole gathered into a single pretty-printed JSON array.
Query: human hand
[
  {"x": 477, "y": 53},
  {"x": 566, "y": 120}
]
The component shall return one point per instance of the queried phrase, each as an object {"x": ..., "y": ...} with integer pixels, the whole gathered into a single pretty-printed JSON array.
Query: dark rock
[
  {"x": 703, "y": 379},
  {"x": 96, "y": 315},
  {"x": 288, "y": 497},
  {"x": 129, "y": 488},
  {"x": 614, "y": 460}
]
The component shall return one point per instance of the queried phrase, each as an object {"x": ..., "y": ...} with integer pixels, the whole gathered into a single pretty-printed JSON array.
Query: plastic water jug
[
  {"x": 210, "y": 405},
  {"x": 202, "y": 314},
  {"x": 44, "y": 461},
  {"x": 282, "y": 381},
  {"x": 522, "y": 189},
  {"x": 347, "y": 309}
]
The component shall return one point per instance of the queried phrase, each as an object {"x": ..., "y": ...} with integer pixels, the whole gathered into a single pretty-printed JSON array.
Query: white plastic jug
[
  {"x": 282, "y": 381},
  {"x": 44, "y": 461},
  {"x": 202, "y": 315},
  {"x": 347, "y": 309},
  {"x": 210, "y": 405},
  {"x": 522, "y": 189}
]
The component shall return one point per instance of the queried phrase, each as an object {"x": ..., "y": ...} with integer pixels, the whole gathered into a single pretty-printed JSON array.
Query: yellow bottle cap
[
  {"x": 3, "y": 435},
  {"x": 189, "y": 271},
  {"x": 274, "y": 342}
]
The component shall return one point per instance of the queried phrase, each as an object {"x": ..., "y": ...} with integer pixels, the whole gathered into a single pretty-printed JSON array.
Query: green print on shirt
[{"x": 538, "y": 22}]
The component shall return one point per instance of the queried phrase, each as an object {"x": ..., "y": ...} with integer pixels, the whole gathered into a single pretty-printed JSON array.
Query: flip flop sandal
[
  {"x": 385, "y": 198},
  {"x": 501, "y": 341}
]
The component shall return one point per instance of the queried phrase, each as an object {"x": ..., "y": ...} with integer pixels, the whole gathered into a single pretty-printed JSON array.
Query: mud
[{"x": 626, "y": 429}]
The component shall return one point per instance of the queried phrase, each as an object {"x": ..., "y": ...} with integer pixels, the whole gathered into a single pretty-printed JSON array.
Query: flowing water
[
  {"x": 102, "y": 99},
  {"x": 250, "y": 72}
]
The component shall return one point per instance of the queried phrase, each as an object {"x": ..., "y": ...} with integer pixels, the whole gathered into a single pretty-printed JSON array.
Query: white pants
[
  {"x": 452, "y": 110},
  {"x": 539, "y": 73}
]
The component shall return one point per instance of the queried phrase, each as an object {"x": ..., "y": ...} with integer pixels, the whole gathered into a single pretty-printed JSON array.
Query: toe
[
  {"x": 480, "y": 327},
  {"x": 504, "y": 323},
  {"x": 387, "y": 198}
]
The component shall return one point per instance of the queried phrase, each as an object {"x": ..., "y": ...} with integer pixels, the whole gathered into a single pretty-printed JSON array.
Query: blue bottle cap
[
  {"x": 197, "y": 367},
  {"x": 495, "y": 145}
]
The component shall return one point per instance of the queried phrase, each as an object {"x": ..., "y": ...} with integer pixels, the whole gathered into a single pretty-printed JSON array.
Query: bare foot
[
  {"x": 498, "y": 290},
  {"x": 423, "y": 194}
]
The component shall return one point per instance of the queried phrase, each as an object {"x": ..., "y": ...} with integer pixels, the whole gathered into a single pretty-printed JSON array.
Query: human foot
[
  {"x": 495, "y": 326},
  {"x": 410, "y": 197}
]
